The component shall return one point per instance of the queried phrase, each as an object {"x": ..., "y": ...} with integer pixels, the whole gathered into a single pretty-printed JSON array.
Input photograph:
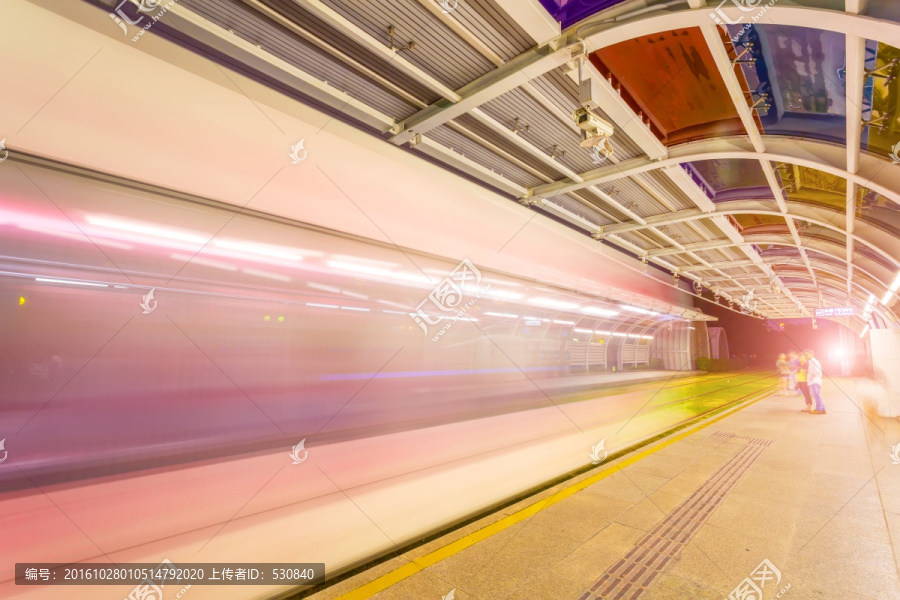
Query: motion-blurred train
[{"x": 144, "y": 329}]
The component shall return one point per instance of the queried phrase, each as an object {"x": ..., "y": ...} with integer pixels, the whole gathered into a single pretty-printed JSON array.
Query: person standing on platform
[
  {"x": 793, "y": 368},
  {"x": 814, "y": 380},
  {"x": 802, "y": 383},
  {"x": 784, "y": 372}
]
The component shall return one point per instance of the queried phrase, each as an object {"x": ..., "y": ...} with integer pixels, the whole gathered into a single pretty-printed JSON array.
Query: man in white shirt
[{"x": 814, "y": 381}]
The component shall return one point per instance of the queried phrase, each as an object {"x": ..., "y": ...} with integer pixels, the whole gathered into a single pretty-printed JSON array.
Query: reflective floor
[{"x": 768, "y": 502}]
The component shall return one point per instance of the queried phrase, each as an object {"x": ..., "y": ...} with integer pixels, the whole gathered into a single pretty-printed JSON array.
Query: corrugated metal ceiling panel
[
  {"x": 309, "y": 22},
  {"x": 574, "y": 206},
  {"x": 493, "y": 27},
  {"x": 544, "y": 130},
  {"x": 665, "y": 187},
  {"x": 470, "y": 149},
  {"x": 560, "y": 89},
  {"x": 253, "y": 27},
  {"x": 438, "y": 51}
]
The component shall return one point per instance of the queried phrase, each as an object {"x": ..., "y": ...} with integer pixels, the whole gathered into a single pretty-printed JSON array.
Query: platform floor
[{"x": 802, "y": 506}]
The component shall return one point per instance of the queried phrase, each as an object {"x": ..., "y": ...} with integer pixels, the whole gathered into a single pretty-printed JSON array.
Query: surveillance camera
[{"x": 592, "y": 125}]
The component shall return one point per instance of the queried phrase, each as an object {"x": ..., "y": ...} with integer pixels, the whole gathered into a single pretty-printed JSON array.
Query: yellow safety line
[{"x": 408, "y": 570}]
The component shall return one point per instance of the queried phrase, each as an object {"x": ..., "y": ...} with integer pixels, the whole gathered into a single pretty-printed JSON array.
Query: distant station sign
[{"x": 838, "y": 311}]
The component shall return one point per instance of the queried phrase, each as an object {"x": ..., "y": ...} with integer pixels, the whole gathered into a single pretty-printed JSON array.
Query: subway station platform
[{"x": 764, "y": 498}]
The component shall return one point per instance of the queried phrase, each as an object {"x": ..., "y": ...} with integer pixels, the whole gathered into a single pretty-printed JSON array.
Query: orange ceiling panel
[{"x": 672, "y": 79}]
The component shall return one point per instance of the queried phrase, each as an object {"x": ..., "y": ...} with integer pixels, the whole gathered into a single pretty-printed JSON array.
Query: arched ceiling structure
[{"x": 752, "y": 147}]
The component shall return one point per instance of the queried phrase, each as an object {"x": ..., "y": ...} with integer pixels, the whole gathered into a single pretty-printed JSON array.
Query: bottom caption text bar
[{"x": 167, "y": 573}]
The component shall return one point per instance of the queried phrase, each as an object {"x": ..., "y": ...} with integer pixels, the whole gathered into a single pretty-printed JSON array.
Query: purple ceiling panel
[{"x": 572, "y": 11}]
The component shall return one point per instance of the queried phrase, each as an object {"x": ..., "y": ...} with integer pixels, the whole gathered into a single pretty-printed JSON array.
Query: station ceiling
[{"x": 751, "y": 153}]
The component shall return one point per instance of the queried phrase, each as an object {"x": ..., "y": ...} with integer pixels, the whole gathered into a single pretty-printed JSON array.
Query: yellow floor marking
[{"x": 408, "y": 570}]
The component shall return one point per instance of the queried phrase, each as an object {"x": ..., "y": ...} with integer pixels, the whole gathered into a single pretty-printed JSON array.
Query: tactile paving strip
[
  {"x": 629, "y": 578},
  {"x": 724, "y": 435}
]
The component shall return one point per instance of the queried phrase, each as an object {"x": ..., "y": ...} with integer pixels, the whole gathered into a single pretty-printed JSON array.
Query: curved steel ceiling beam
[
  {"x": 777, "y": 14},
  {"x": 822, "y": 246},
  {"x": 875, "y": 172},
  {"x": 820, "y": 215}
]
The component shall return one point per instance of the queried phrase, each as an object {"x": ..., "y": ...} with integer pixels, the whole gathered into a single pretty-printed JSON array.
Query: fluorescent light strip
[
  {"x": 507, "y": 315},
  {"x": 887, "y": 297},
  {"x": 324, "y": 288},
  {"x": 583, "y": 330},
  {"x": 266, "y": 275},
  {"x": 355, "y": 308},
  {"x": 619, "y": 334},
  {"x": 393, "y": 312},
  {"x": 204, "y": 261},
  {"x": 504, "y": 294},
  {"x": 69, "y": 282},
  {"x": 553, "y": 303},
  {"x": 896, "y": 285},
  {"x": 559, "y": 322},
  {"x": 260, "y": 249},
  {"x": 603, "y": 312},
  {"x": 864, "y": 331},
  {"x": 317, "y": 305},
  {"x": 151, "y": 230}
]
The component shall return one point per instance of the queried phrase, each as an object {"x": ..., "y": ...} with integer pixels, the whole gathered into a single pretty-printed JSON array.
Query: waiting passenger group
[{"x": 804, "y": 372}]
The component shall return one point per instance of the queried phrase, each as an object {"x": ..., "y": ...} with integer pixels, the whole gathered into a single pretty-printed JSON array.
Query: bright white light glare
[
  {"x": 507, "y": 315},
  {"x": 266, "y": 275},
  {"x": 643, "y": 311},
  {"x": 864, "y": 331},
  {"x": 896, "y": 285},
  {"x": 317, "y": 305},
  {"x": 416, "y": 277},
  {"x": 887, "y": 297},
  {"x": 838, "y": 352},
  {"x": 354, "y": 295},
  {"x": 646, "y": 337},
  {"x": 260, "y": 249},
  {"x": 532, "y": 318},
  {"x": 354, "y": 308},
  {"x": 872, "y": 298},
  {"x": 393, "y": 312},
  {"x": 151, "y": 230},
  {"x": 583, "y": 330},
  {"x": 603, "y": 332},
  {"x": 69, "y": 282},
  {"x": 216, "y": 264},
  {"x": 553, "y": 303},
  {"x": 324, "y": 288},
  {"x": 634, "y": 335},
  {"x": 337, "y": 264},
  {"x": 619, "y": 334},
  {"x": 504, "y": 294},
  {"x": 559, "y": 322},
  {"x": 603, "y": 312}
]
